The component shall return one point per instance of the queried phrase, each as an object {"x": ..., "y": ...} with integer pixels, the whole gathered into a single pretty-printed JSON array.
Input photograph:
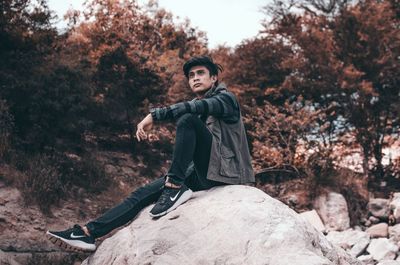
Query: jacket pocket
[{"x": 229, "y": 163}]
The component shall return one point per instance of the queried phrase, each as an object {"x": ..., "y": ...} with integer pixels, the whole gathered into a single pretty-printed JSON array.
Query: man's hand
[{"x": 143, "y": 126}]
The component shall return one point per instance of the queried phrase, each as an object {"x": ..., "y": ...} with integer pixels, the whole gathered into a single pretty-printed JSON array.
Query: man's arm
[
  {"x": 223, "y": 105},
  {"x": 143, "y": 126}
]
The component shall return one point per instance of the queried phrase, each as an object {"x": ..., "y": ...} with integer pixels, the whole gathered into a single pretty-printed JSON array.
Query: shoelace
[
  {"x": 77, "y": 228},
  {"x": 168, "y": 192}
]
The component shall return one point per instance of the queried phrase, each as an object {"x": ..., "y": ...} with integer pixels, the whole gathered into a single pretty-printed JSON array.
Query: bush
[
  {"x": 51, "y": 177},
  {"x": 43, "y": 183},
  {"x": 85, "y": 172},
  {"x": 6, "y": 128}
]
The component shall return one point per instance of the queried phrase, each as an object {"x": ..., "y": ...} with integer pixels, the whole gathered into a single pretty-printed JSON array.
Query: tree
[{"x": 346, "y": 64}]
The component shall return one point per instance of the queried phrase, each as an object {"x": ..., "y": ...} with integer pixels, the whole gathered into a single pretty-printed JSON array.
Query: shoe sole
[
  {"x": 184, "y": 197},
  {"x": 70, "y": 245}
]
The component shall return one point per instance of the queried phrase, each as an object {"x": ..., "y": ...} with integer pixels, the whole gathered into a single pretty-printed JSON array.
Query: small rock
[
  {"x": 293, "y": 200},
  {"x": 358, "y": 228},
  {"x": 378, "y": 230},
  {"x": 38, "y": 228},
  {"x": 379, "y": 208},
  {"x": 3, "y": 201},
  {"x": 366, "y": 259},
  {"x": 127, "y": 171},
  {"x": 110, "y": 169},
  {"x": 382, "y": 248},
  {"x": 359, "y": 247},
  {"x": 3, "y": 219},
  {"x": 374, "y": 220}
]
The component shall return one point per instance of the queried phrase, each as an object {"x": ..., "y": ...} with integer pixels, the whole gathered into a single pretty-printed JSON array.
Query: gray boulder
[{"x": 225, "y": 225}]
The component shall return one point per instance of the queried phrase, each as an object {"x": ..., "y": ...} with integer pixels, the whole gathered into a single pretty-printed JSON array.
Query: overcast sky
[{"x": 225, "y": 21}]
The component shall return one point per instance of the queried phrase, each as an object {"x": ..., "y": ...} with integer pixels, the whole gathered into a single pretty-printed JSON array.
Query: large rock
[
  {"x": 225, "y": 225},
  {"x": 332, "y": 208}
]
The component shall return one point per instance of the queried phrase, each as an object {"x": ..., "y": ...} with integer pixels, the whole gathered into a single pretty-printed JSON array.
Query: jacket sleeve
[{"x": 223, "y": 106}]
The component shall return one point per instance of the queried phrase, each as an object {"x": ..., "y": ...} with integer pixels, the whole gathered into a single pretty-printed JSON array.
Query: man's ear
[{"x": 214, "y": 78}]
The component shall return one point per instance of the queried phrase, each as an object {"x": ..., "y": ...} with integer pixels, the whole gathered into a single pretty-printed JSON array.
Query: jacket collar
[{"x": 215, "y": 90}]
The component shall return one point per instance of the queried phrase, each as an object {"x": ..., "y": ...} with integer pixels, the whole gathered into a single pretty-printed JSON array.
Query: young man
[{"x": 210, "y": 150}]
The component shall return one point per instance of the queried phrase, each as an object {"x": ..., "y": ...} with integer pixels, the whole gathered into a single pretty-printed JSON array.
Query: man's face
[{"x": 200, "y": 80}]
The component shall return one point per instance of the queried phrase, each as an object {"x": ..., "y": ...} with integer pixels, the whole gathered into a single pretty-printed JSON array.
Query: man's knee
[{"x": 187, "y": 119}]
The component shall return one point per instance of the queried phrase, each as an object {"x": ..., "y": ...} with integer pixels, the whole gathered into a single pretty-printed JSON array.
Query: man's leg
[
  {"x": 127, "y": 210},
  {"x": 83, "y": 238},
  {"x": 193, "y": 143}
]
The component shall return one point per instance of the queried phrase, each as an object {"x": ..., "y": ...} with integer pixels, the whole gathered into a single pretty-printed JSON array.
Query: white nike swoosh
[
  {"x": 176, "y": 196},
  {"x": 74, "y": 236}
]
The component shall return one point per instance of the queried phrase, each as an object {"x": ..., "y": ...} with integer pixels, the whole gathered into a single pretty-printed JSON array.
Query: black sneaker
[
  {"x": 73, "y": 239},
  {"x": 170, "y": 199}
]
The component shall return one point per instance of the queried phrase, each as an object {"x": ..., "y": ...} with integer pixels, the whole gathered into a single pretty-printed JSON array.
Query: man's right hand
[{"x": 143, "y": 126}]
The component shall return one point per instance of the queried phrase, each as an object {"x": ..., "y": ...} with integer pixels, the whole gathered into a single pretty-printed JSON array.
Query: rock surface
[
  {"x": 225, "y": 225},
  {"x": 332, "y": 208}
]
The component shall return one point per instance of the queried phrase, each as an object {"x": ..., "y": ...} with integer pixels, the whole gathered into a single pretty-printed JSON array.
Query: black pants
[{"x": 192, "y": 143}]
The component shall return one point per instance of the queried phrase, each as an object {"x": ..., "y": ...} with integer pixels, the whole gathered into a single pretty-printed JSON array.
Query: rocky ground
[{"x": 375, "y": 241}]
